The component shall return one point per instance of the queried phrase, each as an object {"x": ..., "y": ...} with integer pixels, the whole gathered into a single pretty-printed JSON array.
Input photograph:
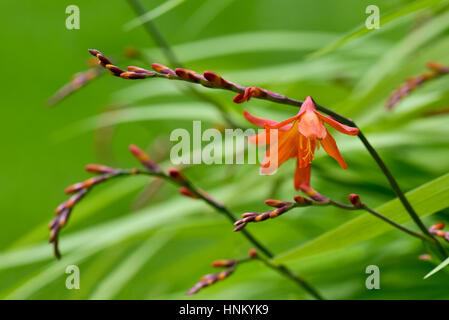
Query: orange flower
[{"x": 299, "y": 140}]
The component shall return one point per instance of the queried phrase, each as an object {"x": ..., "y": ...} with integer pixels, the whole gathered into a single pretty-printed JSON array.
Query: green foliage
[
  {"x": 427, "y": 199},
  {"x": 132, "y": 244}
]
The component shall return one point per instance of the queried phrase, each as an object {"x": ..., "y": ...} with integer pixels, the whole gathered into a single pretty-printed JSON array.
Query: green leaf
[
  {"x": 385, "y": 19},
  {"x": 126, "y": 270},
  {"x": 153, "y": 14},
  {"x": 426, "y": 199},
  {"x": 262, "y": 41},
  {"x": 394, "y": 58},
  {"x": 169, "y": 111},
  {"x": 438, "y": 268}
]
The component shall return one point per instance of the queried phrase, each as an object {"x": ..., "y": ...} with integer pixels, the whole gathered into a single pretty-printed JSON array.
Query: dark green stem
[{"x": 394, "y": 185}]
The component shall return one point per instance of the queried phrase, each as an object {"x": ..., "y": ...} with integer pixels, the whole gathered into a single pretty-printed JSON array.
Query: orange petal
[
  {"x": 260, "y": 122},
  {"x": 307, "y": 105},
  {"x": 331, "y": 148},
  {"x": 286, "y": 148},
  {"x": 283, "y": 125},
  {"x": 262, "y": 139},
  {"x": 311, "y": 126},
  {"x": 259, "y": 139},
  {"x": 338, "y": 126},
  {"x": 302, "y": 177}
]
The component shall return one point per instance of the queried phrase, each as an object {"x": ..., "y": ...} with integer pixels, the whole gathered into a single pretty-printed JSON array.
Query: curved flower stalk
[
  {"x": 230, "y": 265},
  {"x": 298, "y": 137},
  {"x": 173, "y": 176},
  {"x": 436, "y": 70},
  {"x": 299, "y": 202}
]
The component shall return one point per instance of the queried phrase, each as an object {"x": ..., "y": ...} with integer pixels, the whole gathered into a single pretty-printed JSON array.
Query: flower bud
[
  {"x": 177, "y": 175},
  {"x": 98, "y": 168},
  {"x": 252, "y": 253},
  {"x": 162, "y": 69},
  {"x": 355, "y": 200},
  {"x": 188, "y": 75},
  {"x": 186, "y": 192},
  {"x": 116, "y": 71},
  {"x": 301, "y": 200},
  {"x": 438, "y": 226},
  {"x": 139, "y": 70},
  {"x": 133, "y": 75},
  {"x": 275, "y": 203},
  {"x": 143, "y": 158},
  {"x": 223, "y": 263}
]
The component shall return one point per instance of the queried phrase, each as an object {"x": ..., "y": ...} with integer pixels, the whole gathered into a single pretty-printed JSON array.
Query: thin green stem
[
  {"x": 222, "y": 209},
  {"x": 152, "y": 30},
  {"x": 397, "y": 225},
  {"x": 394, "y": 185}
]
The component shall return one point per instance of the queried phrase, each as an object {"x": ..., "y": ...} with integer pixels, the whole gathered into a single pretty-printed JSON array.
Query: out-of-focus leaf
[
  {"x": 394, "y": 58},
  {"x": 204, "y": 16},
  {"x": 438, "y": 268},
  {"x": 426, "y": 199},
  {"x": 169, "y": 111},
  {"x": 362, "y": 30},
  {"x": 117, "y": 279},
  {"x": 153, "y": 14},
  {"x": 263, "y": 41}
]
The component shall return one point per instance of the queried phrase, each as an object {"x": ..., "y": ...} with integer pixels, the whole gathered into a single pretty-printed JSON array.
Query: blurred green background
[{"x": 135, "y": 239}]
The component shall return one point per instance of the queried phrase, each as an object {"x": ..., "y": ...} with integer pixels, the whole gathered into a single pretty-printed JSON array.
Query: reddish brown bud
[
  {"x": 216, "y": 79},
  {"x": 188, "y": 75},
  {"x": 94, "y": 52},
  {"x": 239, "y": 227},
  {"x": 86, "y": 184},
  {"x": 355, "y": 200},
  {"x": 223, "y": 263},
  {"x": 275, "y": 203},
  {"x": 103, "y": 60},
  {"x": 249, "y": 214},
  {"x": 139, "y": 70},
  {"x": 116, "y": 71},
  {"x": 212, "y": 77},
  {"x": 440, "y": 233},
  {"x": 143, "y": 158},
  {"x": 438, "y": 226},
  {"x": 98, "y": 168},
  {"x": 249, "y": 93},
  {"x": 186, "y": 192},
  {"x": 177, "y": 175},
  {"x": 301, "y": 200},
  {"x": 252, "y": 253},
  {"x": 133, "y": 75},
  {"x": 162, "y": 69}
]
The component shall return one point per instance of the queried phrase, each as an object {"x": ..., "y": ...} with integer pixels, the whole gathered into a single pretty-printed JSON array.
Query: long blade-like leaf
[
  {"x": 426, "y": 199},
  {"x": 363, "y": 30},
  {"x": 153, "y": 14},
  {"x": 438, "y": 268}
]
